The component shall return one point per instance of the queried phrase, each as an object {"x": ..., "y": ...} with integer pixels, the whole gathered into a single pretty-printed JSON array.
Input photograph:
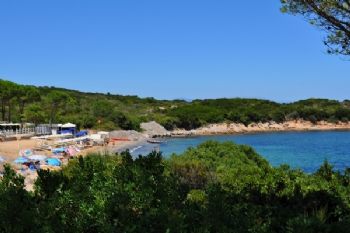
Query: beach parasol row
[{"x": 21, "y": 160}]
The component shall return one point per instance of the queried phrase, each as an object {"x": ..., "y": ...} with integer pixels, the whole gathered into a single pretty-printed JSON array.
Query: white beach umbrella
[{"x": 37, "y": 157}]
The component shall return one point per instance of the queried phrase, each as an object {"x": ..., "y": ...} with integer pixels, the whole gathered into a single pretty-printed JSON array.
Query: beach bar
[
  {"x": 11, "y": 129},
  {"x": 67, "y": 128}
]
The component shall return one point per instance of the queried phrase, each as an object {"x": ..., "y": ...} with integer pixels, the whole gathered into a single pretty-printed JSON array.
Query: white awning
[
  {"x": 10, "y": 124},
  {"x": 68, "y": 125}
]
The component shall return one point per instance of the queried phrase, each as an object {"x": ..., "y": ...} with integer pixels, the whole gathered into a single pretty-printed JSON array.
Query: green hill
[{"x": 21, "y": 103}]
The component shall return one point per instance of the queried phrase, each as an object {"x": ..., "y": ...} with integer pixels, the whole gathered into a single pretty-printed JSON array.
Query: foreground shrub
[{"x": 216, "y": 187}]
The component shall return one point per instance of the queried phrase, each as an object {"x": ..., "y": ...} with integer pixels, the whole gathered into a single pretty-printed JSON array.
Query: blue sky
[{"x": 168, "y": 49}]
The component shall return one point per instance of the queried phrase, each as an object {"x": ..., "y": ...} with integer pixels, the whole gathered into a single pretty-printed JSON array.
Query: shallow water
[{"x": 305, "y": 150}]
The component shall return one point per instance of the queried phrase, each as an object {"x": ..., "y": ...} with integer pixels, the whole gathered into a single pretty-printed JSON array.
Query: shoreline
[
  {"x": 127, "y": 146},
  {"x": 240, "y": 129},
  {"x": 257, "y": 132},
  {"x": 270, "y": 127}
]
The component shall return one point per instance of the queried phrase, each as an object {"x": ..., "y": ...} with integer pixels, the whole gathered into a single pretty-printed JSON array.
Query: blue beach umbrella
[
  {"x": 58, "y": 150},
  {"x": 26, "y": 153},
  {"x": 21, "y": 160},
  {"x": 53, "y": 162}
]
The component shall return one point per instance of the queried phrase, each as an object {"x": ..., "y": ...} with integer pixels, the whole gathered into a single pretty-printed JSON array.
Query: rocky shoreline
[{"x": 237, "y": 128}]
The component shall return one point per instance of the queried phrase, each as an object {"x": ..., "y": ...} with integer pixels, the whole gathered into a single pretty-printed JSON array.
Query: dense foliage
[
  {"x": 332, "y": 16},
  {"x": 21, "y": 103},
  {"x": 213, "y": 188},
  {"x": 248, "y": 111}
]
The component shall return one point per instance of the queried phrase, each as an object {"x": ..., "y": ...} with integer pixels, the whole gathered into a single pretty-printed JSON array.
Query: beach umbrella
[
  {"x": 53, "y": 162},
  {"x": 21, "y": 160},
  {"x": 26, "y": 153},
  {"x": 37, "y": 157},
  {"x": 72, "y": 151},
  {"x": 58, "y": 150}
]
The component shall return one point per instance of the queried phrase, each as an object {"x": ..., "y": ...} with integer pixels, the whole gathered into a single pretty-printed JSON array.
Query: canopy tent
[
  {"x": 68, "y": 125},
  {"x": 67, "y": 128}
]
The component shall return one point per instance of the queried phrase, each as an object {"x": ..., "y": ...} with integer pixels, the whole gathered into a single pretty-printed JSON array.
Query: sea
[{"x": 299, "y": 150}]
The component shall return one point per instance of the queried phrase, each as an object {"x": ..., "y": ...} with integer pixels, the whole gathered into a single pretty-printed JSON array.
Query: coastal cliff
[{"x": 234, "y": 128}]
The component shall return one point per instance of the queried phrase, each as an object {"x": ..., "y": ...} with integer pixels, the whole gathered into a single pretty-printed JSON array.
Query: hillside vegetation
[
  {"x": 216, "y": 187},
  {"x": 20, "y": 103}
]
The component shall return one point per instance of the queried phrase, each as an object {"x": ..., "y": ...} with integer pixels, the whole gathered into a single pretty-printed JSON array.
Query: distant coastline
[{"x": 237, "y": 128}]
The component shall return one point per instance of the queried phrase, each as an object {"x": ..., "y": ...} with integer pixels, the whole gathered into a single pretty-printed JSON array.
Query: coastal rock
[
  {"x": 153, "y": 129},
  {"x": 231, "y": 128}
]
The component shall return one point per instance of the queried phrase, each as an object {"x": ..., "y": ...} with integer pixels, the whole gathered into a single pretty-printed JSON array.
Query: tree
[
  {"x": 3, "y": 90},
  {"x": 332, "y": 16},
  {"x": 34, "y": 113},
  {"x": 25, "y": 95},
  {"x": 102, "y": 109},
  {"x": 57, "y": 100},
  {"x": 17, "y": 212},
  {"x": 125, "y": 122},
  {"x": 8, "y": 91}
]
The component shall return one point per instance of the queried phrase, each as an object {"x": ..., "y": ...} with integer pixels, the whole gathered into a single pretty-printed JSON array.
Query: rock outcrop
[
  {"x": 233, "y": 128},
  {"x": 153, "y": 129}
]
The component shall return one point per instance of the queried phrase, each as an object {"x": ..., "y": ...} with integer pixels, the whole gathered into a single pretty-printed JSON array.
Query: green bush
[{"x": 216, "y": 187}]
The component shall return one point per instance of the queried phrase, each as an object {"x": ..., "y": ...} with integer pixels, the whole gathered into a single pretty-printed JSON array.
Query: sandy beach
[{"x": 9, "y": 150}]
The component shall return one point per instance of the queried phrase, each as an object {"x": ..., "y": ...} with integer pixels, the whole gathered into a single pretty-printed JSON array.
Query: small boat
[{"x": 154, "y": 141}]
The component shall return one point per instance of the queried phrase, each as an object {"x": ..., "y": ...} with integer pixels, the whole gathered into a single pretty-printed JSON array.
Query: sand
[{"x": 9, "y": 150}]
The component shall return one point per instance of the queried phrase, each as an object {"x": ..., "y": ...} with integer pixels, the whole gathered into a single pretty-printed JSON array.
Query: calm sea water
[{"x": 305, "y": 150}]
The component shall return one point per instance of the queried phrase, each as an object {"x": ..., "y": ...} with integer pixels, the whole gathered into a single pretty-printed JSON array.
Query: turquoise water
[{"x": 305, "y": 150}]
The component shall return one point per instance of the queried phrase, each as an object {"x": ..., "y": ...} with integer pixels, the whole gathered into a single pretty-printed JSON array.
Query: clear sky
[{"x": 168, "y": 49}]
